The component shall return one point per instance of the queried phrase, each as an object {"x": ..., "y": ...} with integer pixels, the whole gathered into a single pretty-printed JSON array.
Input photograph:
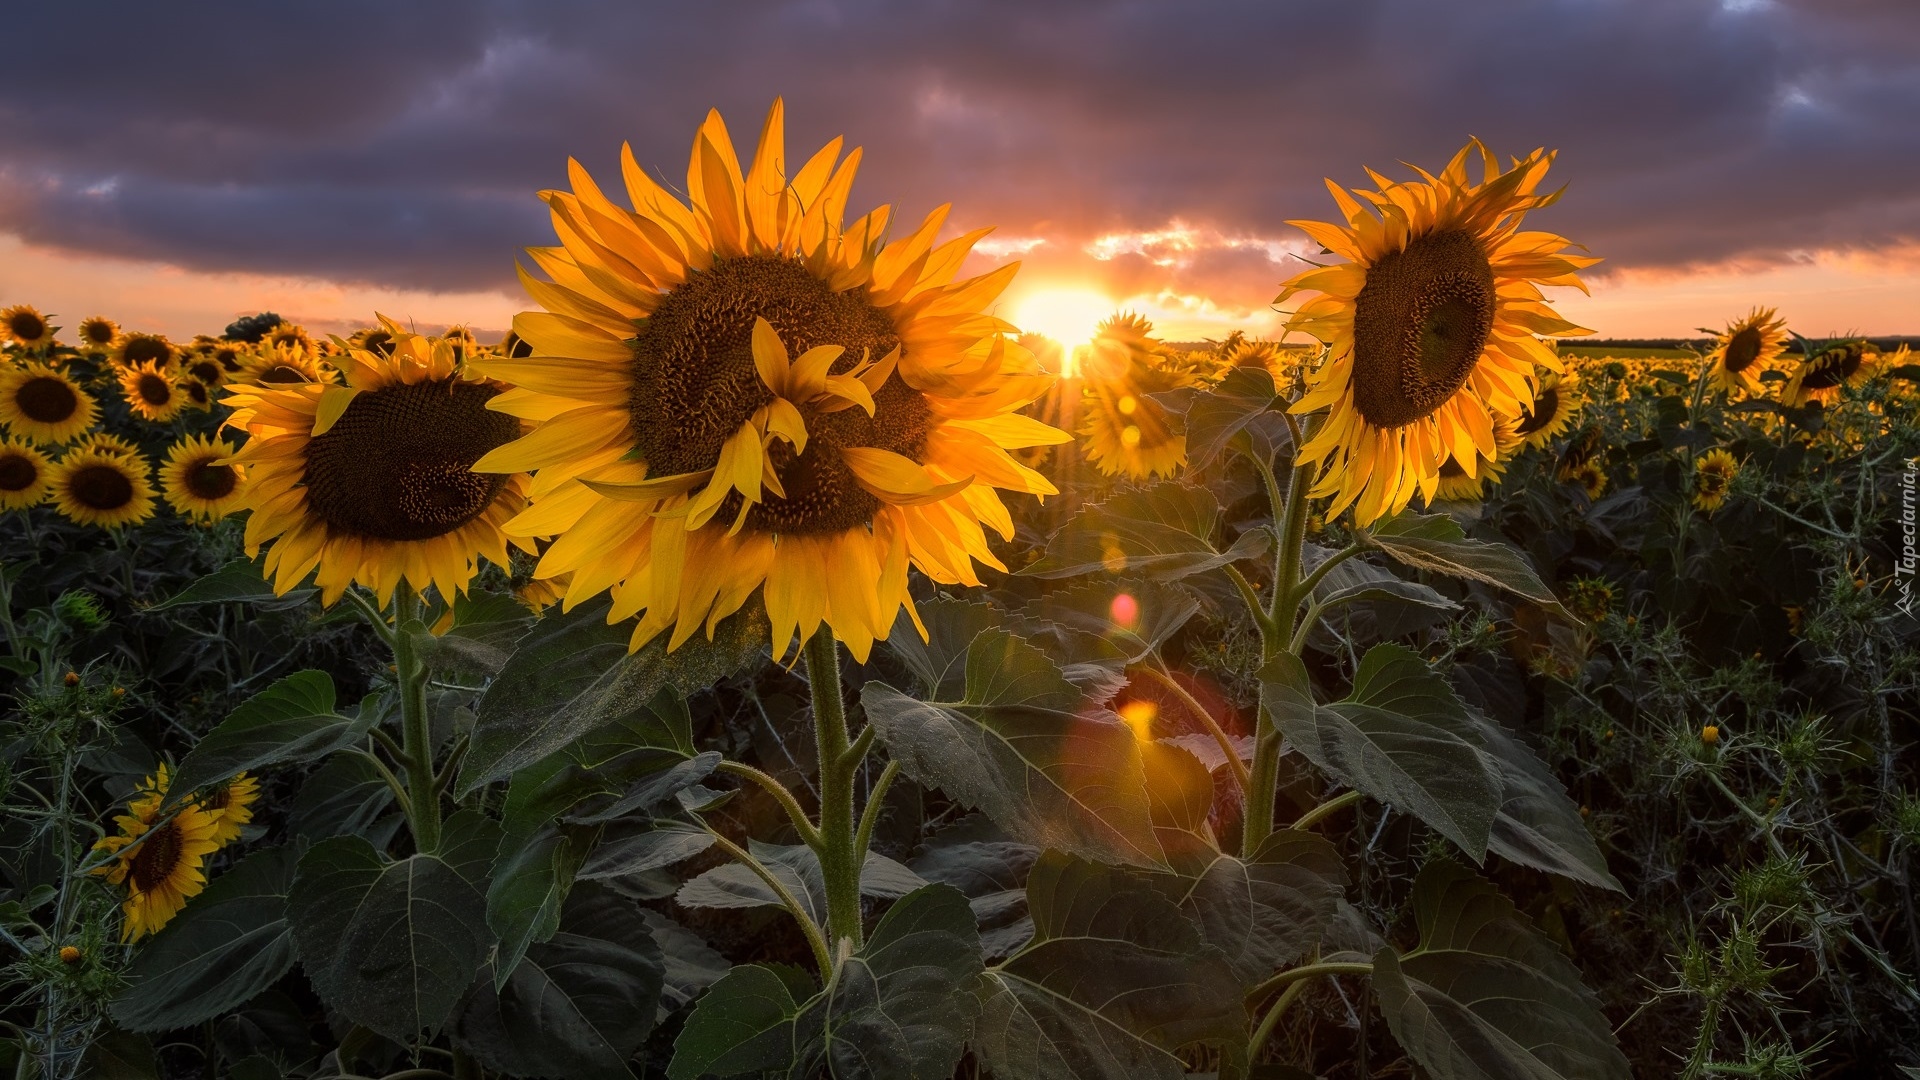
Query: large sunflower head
[
  {"x": 1127, "y": 432},
  {"x": 1430, "y": 325},
  {"x": 150, "y": 392},
  {"x": 1713, "y": 477},
  {"x": 136, "y": 348},
  {"x": 743, "y": 392},
  {"x": 231, "y": 806},
  {"x": 197, "y": 481},
  {"x": 102, "y": 487},
  {"x": 98, "y": 334},
  {"x": 26, "y": 327},
  {"x": 45, "y": 405},
  {"x": 1819, "y": 377},
  {"x": 1745, "y": 349},
  {"x": 372, "y": 482},
  {"x": 24, "y": 474},
  {"x": 1554, "y": 406},
  {"x": 159, "y": 861}
]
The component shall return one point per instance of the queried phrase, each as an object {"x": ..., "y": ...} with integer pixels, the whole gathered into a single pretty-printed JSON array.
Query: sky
[{"x": 174, "y": 166}]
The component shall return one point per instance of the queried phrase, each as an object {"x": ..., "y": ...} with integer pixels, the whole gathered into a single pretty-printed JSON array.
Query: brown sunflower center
[
  {"x": 46, "y": 400},
  {"x": 155, "y": 860},
  {"x": 397, "y": 465},
  {"x": 1419, "y": 324},
  {"x": 229, "y": 357},
  {"x": 96, "y": 333},
  {"x": 1833, "y": 367},
  {"x": 210, "y": 481},
  {"x": 695, "y": 384},
  {"x": 196, "y": 391},
  {"x": 1545, "y": 405},
  {"x": 26, "y": 325},
  {"x": 379, "y": 342},
  {"x": 207, "y": 371},
  {"x": 153, "y": 389},
  {"x": 1713, "y": 481},
  {"x": 1743, "y": 349},
  {"x": 101, "y": 487},
  {"x": 144, "y": 347},
  {"x": 17, "y": 472}
]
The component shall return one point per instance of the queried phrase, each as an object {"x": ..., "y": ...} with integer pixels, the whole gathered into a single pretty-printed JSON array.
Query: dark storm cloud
[{"x": 400, "y": 143}]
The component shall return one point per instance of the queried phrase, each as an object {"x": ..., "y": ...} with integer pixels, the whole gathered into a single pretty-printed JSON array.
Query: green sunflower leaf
[
  {"x": 1435, "y": 542},
  {"x": 291, "y": 721},
  {"x": 1163, "y": 531},
  {"x": 1215, "y": 415},
  {"x": 239, "y": 582}
]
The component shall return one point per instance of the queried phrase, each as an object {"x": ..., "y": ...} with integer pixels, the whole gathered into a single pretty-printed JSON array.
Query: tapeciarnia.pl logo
[{"x": 1903, "y": 567}]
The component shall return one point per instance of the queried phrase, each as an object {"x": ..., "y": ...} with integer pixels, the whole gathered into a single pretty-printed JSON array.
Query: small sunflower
[
  {"x": 197, "y": 481},
  {"x": 24, "y": 474},
  {"x": 1590, "y": 598},
  {"x": 98, "y": 334},
  {"x": 205, "y": 369},
  {"x": 744, "y": 396},
  {"x": 231, "y": 806},
  {"x": 374, "y": 339},
  {"x": 1255, "y": 354},
  {"x": 150, "y": 392},
  {"x": 98, "y": 487},
  {"x": 1713, "y": 476},
  {"x": 1745, "y": 349},
  {"x": 513, "y": 346},
  {"x": 1820, "y": 376},
  {"x": 463, "y": 342},
  {"x": 138, "y": 348},
  {"x": 195, "y": 395},
  {"x": 232, "y": 356},
  {"x": 372, "y": 482},
  {"x": 1457, "y": 485},
  {"x": 106, "y": 442},
  {"x": 1590, "y": 474},
  {"x": 26, "y": 326},
  {"x": 1430, "y": 325},
  {"x": 43, "y": 404},
  {"x": 283, "y": 366},
  {"x": 1553, "y": 409},
  {"x": 159, "y": 861},
  {"x": 1128, "y": 433},
  {"x": 286, "y": 335}
]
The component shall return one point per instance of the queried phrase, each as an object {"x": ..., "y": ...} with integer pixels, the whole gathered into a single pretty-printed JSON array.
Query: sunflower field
[{"x": 768, "y": 661}]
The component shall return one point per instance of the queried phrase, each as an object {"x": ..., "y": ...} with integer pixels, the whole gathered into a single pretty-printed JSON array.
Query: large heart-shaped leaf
[
  {"x": 572, "y": 673},
  {"x": 1538, "y": 825},
  {"x": 228, "y": 944},
  {"x": 1019, "y": 747},
  {"x": 1164, "y": 531},
  {"x": 239, "y": 582},
  {"x": 1137, "y": 616},
  {"x": 1262, "y": 913},
  {"x": 636, "y": 846},
  {"x": 528, "y": 887},
  {"x": 1114, "y": 978},
  {"x": 743, "y": 1024},
  {"x": 691, "y": 964},
  {"x": 578, "y": 1004},
  {"x": 1487, "y": 996},
  {"x": 1402, "y": 736},
  {"x": 291, "y": 721},
  {"x": 976, "y": 857},
  {"x": 797, "y": 868},
  {"x": 1215, "y": 415},
  {"x": 1436, "y": 542},
  {"x": 393, "y": 945}
]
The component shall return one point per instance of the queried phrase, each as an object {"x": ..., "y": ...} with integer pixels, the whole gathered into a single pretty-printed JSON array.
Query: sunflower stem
[
  {"x": 416, "y": 731},
  {"x": 1290, "y": 514},
  {"x": 839, "y": 863}
]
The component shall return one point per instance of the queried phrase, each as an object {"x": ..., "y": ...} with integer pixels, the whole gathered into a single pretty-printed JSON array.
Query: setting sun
[{"x": 1067, "y": 315}]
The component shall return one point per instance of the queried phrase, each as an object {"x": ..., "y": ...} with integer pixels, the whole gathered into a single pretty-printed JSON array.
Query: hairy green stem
[
  {"x": 869, "y": 817},
  {"x": 767, "y": 783},
  {"x": 1290, "y": 514},
  {"x": 416, "y": 732},
  {"x": 822, "y": 956},
  {"x": 839, "y": 862},
  {"x": 1157, "y": 670},
  {"x": 1310, "y": 971},
  {"x": 1272, "y": 1019},
  {"x": 1327, "y": 809}
]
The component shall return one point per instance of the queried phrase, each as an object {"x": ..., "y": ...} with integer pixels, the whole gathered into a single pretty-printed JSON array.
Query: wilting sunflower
[
  {"x": 43, "y": 404},
  {"x": 743, "y": 395},
  {"x": 1820, "y": 376},
  {"x": 137, "y": 348},
  {"x": 100, "y": 487},
  {"x": 1457, "y": 485},
  {"x": 159, "y": 862},
  {"x": 24, "y": 473},
  {"x": 150, "y": 392},
  {"x": 1430, "y": 324},
  {"x": 1553, "y": 408},
  {"x": 372, "y": 482},
  {"x": 1712, "y": 478},
  {"x": 1127, "y": 432},
  {"x": 284, "y": 366},
  {"x": 26, "y": 326},
  {"x": 98, "y": 334},
  {"x": 1745, "y": 349},
  {"x": 231, "y": 806},
  {"x": 197, "y": 481}
]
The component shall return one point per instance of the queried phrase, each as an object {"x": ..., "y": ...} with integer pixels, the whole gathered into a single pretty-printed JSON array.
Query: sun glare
[{"x": 1069, "y": 316}]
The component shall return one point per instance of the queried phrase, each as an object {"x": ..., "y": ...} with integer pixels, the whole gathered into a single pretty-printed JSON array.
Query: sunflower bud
[{"x": 1710, "y": 734}]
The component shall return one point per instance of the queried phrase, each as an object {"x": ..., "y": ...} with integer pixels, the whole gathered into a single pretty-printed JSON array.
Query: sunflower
[
  {"x": 1590, "y": 474},
  {"x": 159, "y": 861},
  {"x": 1430, "y": 324},
  {"x": 98, "y": 334},
  {"x": 196, "y": 480},
  {"x": 463, "y": 342},
  {"x": 1590, "y": 598},
  {"x": 283, "y": 366},
  {"x": 43, "y": 404},
  {"x": 1553, "y": 409},
  {"x": 150, "y": 392},
  {"x": 100, "y": 487},
  {"x": 1712, "y": 478},
  {"x": 1127, "y": 432},
  {"x": 513, "y": 346},
  {"x": 1458, "y": 485},
  {"x": 232, "y": 356},
  {"x": 26, "y": 326},
  {"x": 136, "y": 349},
  {"x": 23, "y": 474},
  {"x": 286, "y": 335},
  {"x": 1745, "y": 349},
  {"x": 205, "y": 369},
  {"x": 195, "y": 395},
  {"x": 374, "y": 339},
  {"x": 231, "y": 806},
  {"x": 372, "y": 482},
  {"x": 1255, "y": 354},
  {"x": 1820, "y": 376},
  {"x": 742, "y": 396},
  {"x": 106, "y": 442}
]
